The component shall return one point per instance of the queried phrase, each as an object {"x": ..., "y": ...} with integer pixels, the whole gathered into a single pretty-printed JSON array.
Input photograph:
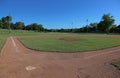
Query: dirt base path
[{"x": 16, "y": 61}]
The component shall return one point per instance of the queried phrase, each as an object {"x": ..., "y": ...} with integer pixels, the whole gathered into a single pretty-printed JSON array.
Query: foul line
[
  {"x": 16, "y": 48},
  {"x": 13, "y": 42},
  {"x": 101, "y": 54}
]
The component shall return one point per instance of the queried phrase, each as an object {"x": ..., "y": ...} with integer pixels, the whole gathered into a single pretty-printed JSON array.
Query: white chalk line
[
  {"x": 28, "y": 68},
  {"x": 16, "y": 48},
  {"x": 101, "y": 54}
]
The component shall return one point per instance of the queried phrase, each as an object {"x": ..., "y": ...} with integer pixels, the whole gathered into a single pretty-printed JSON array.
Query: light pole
[
  {"x": 72, "y": 27},
  {"x": 9, "y": 22},
  {"x": 87, "y": 25}
]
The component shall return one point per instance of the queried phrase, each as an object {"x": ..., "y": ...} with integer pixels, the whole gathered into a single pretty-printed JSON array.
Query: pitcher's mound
[{"x": 70, "y": 39}]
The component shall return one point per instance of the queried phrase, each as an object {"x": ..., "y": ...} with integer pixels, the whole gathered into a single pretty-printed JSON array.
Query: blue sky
[{"x": 59, "y": 13}]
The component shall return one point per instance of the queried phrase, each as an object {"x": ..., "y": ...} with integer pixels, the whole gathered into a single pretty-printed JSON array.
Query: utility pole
[
  {"x": 72, "y": 27},
  {"x": 9, "y": 22},
  {"x": 87, "y": 25}
]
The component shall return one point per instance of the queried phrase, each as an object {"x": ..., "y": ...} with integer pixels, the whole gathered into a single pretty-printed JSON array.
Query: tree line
[
  {"x": 106, "y": 25},
  {"x": 6, "y": 23}
]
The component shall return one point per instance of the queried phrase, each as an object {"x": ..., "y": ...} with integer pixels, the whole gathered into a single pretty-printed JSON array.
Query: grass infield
[
  {"x": 3, "y": 36},
  {"x": 6, "y": 33},
  {"x": 63, "y": 42}
]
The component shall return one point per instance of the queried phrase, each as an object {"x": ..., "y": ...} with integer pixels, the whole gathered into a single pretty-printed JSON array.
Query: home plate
[{"x": 28, "y": 68}]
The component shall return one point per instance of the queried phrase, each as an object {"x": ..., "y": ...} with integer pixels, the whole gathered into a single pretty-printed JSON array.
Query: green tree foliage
[
  {"x": 1, "y": 25},
  {"x": 5, "y": 22},
  {"x": 35, "y": 27},
  {"x": 93, "y": 27},
  {"x": 117, "y": 29},
  {"x": 18, "y": 25},
  {"x": 106, "y": 23}
]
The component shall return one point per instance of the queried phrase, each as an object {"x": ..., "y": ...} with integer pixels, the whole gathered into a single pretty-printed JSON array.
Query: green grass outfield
[{"x": 53, "y": 42}]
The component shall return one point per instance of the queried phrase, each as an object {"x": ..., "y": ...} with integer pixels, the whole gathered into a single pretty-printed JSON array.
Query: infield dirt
[{"x": 16, "y": 61}]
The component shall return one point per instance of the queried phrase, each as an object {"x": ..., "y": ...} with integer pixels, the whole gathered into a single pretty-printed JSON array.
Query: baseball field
[{"x": 58, "y": 55}]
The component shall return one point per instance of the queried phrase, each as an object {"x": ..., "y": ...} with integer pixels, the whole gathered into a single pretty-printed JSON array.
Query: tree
[
  {"x": 12, "y": 25},
  {"x": 1, "y": 24},
  {"x": 40, "y": 27},
  {"x": 117, "y": 29},
  {"x": 106, "y": 23},
  {"x": 93, "y": 27},
  {"x": 19, "y": 25},
  {"x": 35, "y": 27},
  {"x": 4, "y": 24},
  {"x": 6, "y": 21}
]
